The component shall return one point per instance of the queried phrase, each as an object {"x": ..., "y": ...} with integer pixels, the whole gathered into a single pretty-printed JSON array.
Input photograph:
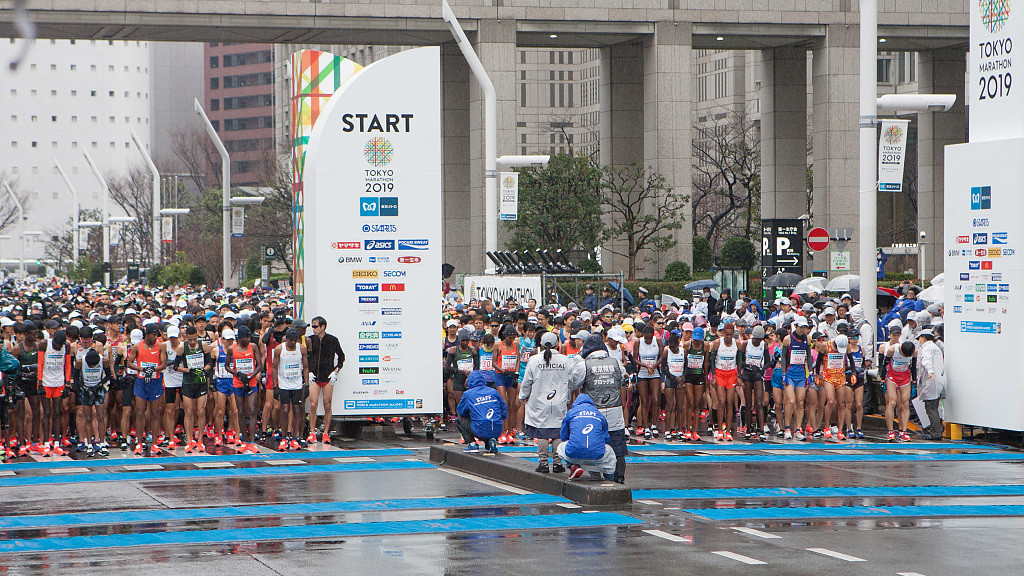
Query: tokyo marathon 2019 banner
[{"x": 372, "y": 234}]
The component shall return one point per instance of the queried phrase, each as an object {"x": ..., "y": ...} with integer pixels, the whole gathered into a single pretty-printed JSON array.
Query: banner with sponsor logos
[
  {"x": 892, "y": 150},
  {"x": 984, "y": 337},
  {"x": 500, "y": 288},
  {"x": 372, "y": 236}
]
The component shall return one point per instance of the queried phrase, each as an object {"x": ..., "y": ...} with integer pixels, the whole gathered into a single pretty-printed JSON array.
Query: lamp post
[
  {"x": 225, "y": 205},
  {"x": 156, "y": 194},
  {"x": 78, "y": 211},
  {"x": 106, "y": 217},
  {"x": 21, "y": 219}
]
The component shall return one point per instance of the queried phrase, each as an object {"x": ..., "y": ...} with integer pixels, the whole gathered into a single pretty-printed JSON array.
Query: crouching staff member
[{"x": 600, "y": 377}]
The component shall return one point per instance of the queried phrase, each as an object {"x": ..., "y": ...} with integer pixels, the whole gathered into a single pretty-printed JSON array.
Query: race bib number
[
  {"x": 487, "y": 363},
  {"x": 147, "y": 365},
  {"x": 756, "y": 361},
  {"x": 524, "y": 355},
  {"x": 245, "y": 365},
  {"x": 508, "y": 361},
  {"x": 465, "y": 365},
  {"x": 292, "y": 371},
  {"x": 54, "y": 363},
  {"x": 194, "y": 361},
  {"x": 92, "y": 376},
  {"x": 726, "y": 363},
  {"x": 695, "y": 361},
  {"x": 675, "y": 366},
  {"x": 797, "y": 357},
  {"x": 834, "y": 361},
  {"x": 900, "y": 364}
]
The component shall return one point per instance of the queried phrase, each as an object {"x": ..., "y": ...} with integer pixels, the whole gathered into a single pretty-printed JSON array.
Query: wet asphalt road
[{"x": 383, "y": 509}]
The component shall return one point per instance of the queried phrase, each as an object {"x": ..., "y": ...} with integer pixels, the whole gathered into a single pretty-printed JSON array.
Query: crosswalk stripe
[
  {"x": 834, "y": 554},
  {"x": 739, "y": 557}
]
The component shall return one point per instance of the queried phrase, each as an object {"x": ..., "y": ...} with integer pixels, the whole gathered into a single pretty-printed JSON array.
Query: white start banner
[
  {"x": 984, "y": 283},
  {"x": 500, "y": 288},
  {"x": 372, "y": 237},
  {"x": 997, "y": 27},
  {"x": 892, "y": 151}
]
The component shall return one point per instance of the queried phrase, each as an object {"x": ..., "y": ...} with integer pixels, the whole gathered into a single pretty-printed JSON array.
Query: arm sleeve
[{"x": 526, "y": 386}]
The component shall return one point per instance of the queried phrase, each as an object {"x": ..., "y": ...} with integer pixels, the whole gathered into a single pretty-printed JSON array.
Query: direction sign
[
  {"x": 817, "y": 239},
  {"x": 782, "y": 246}
]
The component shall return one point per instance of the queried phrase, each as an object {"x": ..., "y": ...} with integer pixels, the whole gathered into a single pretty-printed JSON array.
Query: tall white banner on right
[{"x": 995, "y": 101}]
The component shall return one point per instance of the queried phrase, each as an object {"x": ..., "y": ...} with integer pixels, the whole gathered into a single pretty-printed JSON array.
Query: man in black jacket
[{"x": 325, "y": 360}]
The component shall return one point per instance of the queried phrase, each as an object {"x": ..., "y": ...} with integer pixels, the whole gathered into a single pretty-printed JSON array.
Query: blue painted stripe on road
[
  {"x": 189, "y": 514},
  {"x": 796, "y": 447},
  {"x": 716, "y": 459},
  {"x": 857, "y": 511},
  {"x": 304, "y": 455},
  {"x": 208, "y": 473},
  {"x": 832, "y": 492},
  {"x": 517, "y": 524}
]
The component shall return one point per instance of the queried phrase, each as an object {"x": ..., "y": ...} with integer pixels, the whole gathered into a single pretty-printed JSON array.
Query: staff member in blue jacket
[
  {"x": 482, "y": 412},
  {"x": 584, "y": 444}
]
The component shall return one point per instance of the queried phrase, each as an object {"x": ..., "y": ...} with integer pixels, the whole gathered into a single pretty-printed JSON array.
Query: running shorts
[
  {"x": 171, "y": 394},
  {"x": 194, "y": 390},
  {"x": 245, "y": 391},
  {"x": 149, "y": 391},
  {"x": 695, "y": 379},
  {"x": 91, "y": 395},
  {"x": 292, "y": 397},
  {"x": 53, "y": 391},
  {"x": 725, "y": 378},
  {"x": 673, "y": 382},
  {"x": 225, "y": 386}
]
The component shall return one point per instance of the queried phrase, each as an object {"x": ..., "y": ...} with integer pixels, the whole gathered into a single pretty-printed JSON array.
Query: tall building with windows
[
  {"x": 558, "y": 101},
  {"x": 69, "y": 96},
  {"x": 240, "y": 105}
]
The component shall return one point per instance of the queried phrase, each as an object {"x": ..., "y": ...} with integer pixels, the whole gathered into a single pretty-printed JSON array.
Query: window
[
  {"x": 95, "y": 145},
  {"x": 111, "y": 67},
  {"x": 884, "y": 71},
  {"x": 110, "y": 94},
  {"x": 14, "y": 143},
  {"x": 35, "y": 144},
  {"x": 74, "y": 93},
  {"x": 214, "y": 104},
  {"x": 74, "y": 67},
  {"x": 35, "y": 118},
  {"x": 111, "y": 119},
  {"x": 92, "y": 68},
  {"x": 112, "y": 145},
  {"x": 258, "y": 57},
  {"x": 93, "y": 119},
  {"x": 53, "y": 67},
  {"x": 33, "y": 93},
  {"x": 74, "y": 145},
  {"x": 53, "y": 92},
  {"x": 14, "y": 117},
  {"x": 53, "y": 144},
  {"x": 214, "y": 83},
  {"x": 14, "y": 92},
  {"x": 92, "y": 93},
  {"x": 213, "y": 62},
  {"x": 74, "y": 119}
]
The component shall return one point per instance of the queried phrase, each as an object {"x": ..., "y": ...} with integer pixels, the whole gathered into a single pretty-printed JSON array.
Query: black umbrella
[
  {"x": 625, "y": 293},
  {"x": 782, "y": 280},
  {"x": 882, "y": 297},
  {"x": 701, "y": 284}
]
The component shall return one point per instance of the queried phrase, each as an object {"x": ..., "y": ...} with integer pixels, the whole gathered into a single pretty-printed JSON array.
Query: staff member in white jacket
[
  {"x": 931, "y": 381},
  {"x": 545, "y": 390}
]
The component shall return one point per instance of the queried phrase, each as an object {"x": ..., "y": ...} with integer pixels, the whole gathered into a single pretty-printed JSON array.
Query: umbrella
[
  {"x": 714, "y": 293},
  {"x": 782, "y": 280},
  {"x": 843, "y": 283},
  {"x": 701, "y": 284},
  {"x": 934, "y": 293},
  {"x": 808, "y": 285},
  {"x": 886, "y": 296},
  {"x": 625, "y": 293},
  {"x": 939, "y": 280}
]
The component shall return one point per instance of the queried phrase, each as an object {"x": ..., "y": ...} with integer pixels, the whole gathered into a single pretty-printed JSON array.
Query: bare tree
[
  {"x": 275, "y": 215},
  {"x": 133, "y": 192},
  {"x": 60, "y": 241},
  {"x": 726, "y": 178},
  {"x": 193, "y": 147},
  {"x": 8, "y": 208},
  {"x": 644, "y": 211}
]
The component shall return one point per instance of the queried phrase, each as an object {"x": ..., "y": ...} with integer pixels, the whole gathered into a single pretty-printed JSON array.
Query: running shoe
[
  {"x": 200, "y": 447},
  {"x": 654, "y": 431},
  {"x": 728, "y": 436},
  {"x": 312, "y": 438},
  {"x": 139, "y": 449},
  {"x": 164, "y": 442},
  {"x": 23, "y": 451},
  {"x": 575, "y": 472},
  {"x": 65, "y": 442},
  {"x": 104, "y": 449},
  {"x": 817, "y": 434},
  {"x": 784, "y": 433},
  {"x": 840, "y": 436},
  {"x": 859, "y": 434},
  {"x": 189, "y": 447},
  {"x": 294, "y": 445},
  {"x": 718, "y": 435},
  {"x": 37, "y": 448},
  {"x": 113, "y": 434},
  {"x": 283, "y": 446},
  {"x": 543, "y": 467},
  {"x": 835, "y": 430},
  {"x": 808, "y": 431},
  {"x": 766, "y": 430},
  {"x": 9, "y": 453},
  {"x": 218, "y": 441},
  {"x": 799, "y": 435},
  {"x": 278, "y": 435},
  {"x": 491, "y": 446},
  {"x": 210, "y": 431},
  {"x": 647, "y": 434},
  {"x": 521, "y": 435},
  {"x": 763, "y": 437},
  {"x": 80, "y": 447},
  {"x": 242, "y": 448},
  {"x": 14, "y": 441},
  {"x": 252, "y": 449},
  {"x": 827, "y": 434},
  {"x": 704, "y": 414},
  {"x": 557, "y": 467},
  {"x": 904, "y": 437},
  {"x": 473, "y": 448},
  {"x": 155, "y": 450},
  {"x": 90, "y": 451},
  {"x": 303, "y": 443},
  {"x": 124, "y": 444},
  {"x": 326, "y": 438}
]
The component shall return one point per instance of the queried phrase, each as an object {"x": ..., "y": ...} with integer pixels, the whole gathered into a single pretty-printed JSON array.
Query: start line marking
[
  {"x": 755, "y": 532},
  {"x": 834, "y": 554},
  {"x": 739, "y": 557}
]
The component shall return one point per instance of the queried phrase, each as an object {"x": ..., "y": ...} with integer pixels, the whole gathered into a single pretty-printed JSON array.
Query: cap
[
  {"x": 5, "y": 321},
  {"x": 757, "y": 333},
  {"x": 627, "y": 327},
  {"x": 549, "y": 340},
  {"x": 740, "y": 304},
  {"x": 698, "y": 334},
  {"x": 299, "y": 323},
  {"x": 841, "y": 343},
  {"x": 934, "y": 309},
  {"x": 293, "y": 334},
  {"x": 477, "y": 335},
  {"x": 582, "y": 335},
  {"x": 808, "y": 307},
  {"x": 687, "y": 327},
  {"x": 130, "y": 311},
  {"x": 894, "y": 323},
  {"x": 800, "y": 321},
  {"x": 152, "y": 329},
  {"x": 830, "y": 311},
  {"x": 173, "y": 331},
  {"x": 585, "y": 315},
  {"x": 228, "y": 334},
  {"x": 641, "y": 290},
  {"x": 618, "y": 335},
  {"x": 450, "y": 323},
  {"x": 927, "y": 333},
  {"x": 136, "y": 336},
  {"x": 243, "y": 332},
  {"x": 845, "y": 296},
  {"x": 817, "y": 335}
]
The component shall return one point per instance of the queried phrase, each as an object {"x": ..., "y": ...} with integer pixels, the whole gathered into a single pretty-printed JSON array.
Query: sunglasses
[{"x": 316, "y": 325}]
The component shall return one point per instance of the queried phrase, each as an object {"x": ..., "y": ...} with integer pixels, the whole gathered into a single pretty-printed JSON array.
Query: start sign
[{"x": 817, "y": 239}]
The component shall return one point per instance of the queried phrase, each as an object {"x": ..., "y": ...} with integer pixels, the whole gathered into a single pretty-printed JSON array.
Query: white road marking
[
  {"x": 834, "y": 554},
  {"x": 491, "y": 483},
  {"x": 142, "y": 467},
  {"x": 911, "y": 451},
  {"x": 908, "y": 574},
  {"x": 719, "y": 453},
  {"x": 589, "y": 511},
  {"x": 568, "y": 505},
  {"x": 75, "y": 470},
  {"x": 738, "y": 557},
  {"x": 755, "y": 532},
  {"x": 651, "y": 502},
  {"x": 666, "y": 535},
  {"x": 285, "y": 462},
  {"x": 214, "y": 465},
  {"x": 350, "y": 459},
  {"x": 776, "y": 452},
  {"x": 851, "y": 452},
  {"x": 657, "y": 452},
  {"x": 6, "y": 473},
  {"x": 412, "y": 459}
]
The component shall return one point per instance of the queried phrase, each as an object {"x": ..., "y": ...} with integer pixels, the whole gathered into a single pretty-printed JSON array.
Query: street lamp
[
  {"x": 225, "y": 204},
  {"x": 106, "y": 217},
  {"x": 893, "y": 103},
  {"x": 156, "y": 193},
  {"x": 535, "y": 161},
  {"x": 78, "y": 209}
]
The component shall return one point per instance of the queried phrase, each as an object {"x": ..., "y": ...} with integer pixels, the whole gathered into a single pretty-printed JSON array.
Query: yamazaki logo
[{"x": 346, "y": 245}]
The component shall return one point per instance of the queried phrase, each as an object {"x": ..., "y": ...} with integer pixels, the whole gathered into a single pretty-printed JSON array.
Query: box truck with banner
[{"x": 372, "y": 233}]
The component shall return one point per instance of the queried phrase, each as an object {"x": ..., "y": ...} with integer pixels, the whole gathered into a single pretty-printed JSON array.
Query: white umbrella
[
  {"x": 843, "y": 283},
  {"x": 808, "y": 285},
  {"x": 934, "y": 293},
  {"x": 939, "y": 280}
]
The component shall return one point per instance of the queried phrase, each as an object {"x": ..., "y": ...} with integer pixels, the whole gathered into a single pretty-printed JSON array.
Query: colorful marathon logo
[
  {"x": 994, "y": 14},
  {"x": 893, "y": 134},
  {"x": 378, "y": 151}
]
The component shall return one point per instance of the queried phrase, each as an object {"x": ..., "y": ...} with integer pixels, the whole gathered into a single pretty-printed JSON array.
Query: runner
[
  {"x": 290, "y": 375},
  {"x": 54, "y": 374},
  {"x": 172, "y": 389},
  {"x": 897, "y": 390},
  {"x": 506, "y": 368},
  {"x": 95, "y": 369},
  {"x": 193, "y": 362},
  {"x": 752, "y": 376},
  {"x": 225, "y": 389},
  {"x": 646, "y": 354},
  {"x": 831, "y": 367},
  {"x": 245, "y": 364},
  {"x": 325, "y": 361},
  {"x": 795, "y": 351},
  {"x": 856, "y": 373},
  {"x": 696, "y": 373},
  {"x": 673, "y": 364},
  {"x": 149, "y": 359},
  {"x": 724, "y": 355}
]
